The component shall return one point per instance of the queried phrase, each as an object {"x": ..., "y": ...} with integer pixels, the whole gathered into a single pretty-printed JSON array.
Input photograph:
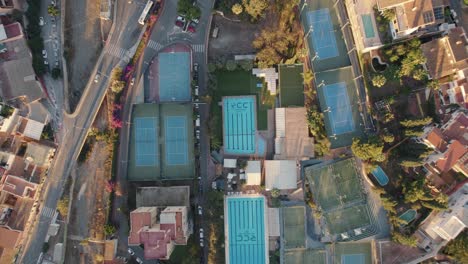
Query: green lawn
[{"x": 239, "y": 82}]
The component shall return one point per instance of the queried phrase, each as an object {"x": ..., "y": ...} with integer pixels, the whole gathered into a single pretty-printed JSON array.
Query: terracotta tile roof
[
  {"x": 19, "y": 187},
  {"x": 455, "y": 151},
  {"x": 447, "y": 55},
  {"x": 436, "y": 138},
  {"x": 419, "y": 13},
  {"x": 8, "y": 241},
  {"x": 13, "y": 30},
  {"x": 383, "y": 4},
  {"x": 458, "y": 129}
]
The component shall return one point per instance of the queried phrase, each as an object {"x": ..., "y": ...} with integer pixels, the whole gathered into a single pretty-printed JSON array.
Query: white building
[{"x": 281, "y": 174}]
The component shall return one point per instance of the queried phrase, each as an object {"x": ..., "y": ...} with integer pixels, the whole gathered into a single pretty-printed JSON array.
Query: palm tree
[{"x": 52, "y": 10}]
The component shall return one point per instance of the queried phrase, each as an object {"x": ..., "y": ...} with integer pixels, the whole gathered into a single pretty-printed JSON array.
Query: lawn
[
  {"x": 239, "y": 82},
  {"x": 185, "y": 254}
]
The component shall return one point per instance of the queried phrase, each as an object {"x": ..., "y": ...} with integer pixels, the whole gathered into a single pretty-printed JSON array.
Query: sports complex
[
  {"x": 334, "y": 77},
  {"x": 246, "y": 229},
  {"x": 169, "y": 76},
  {"x": 338, "y": 192},
  {"x": 293, "y": 227},
  {"x": 161, "y": 142}
]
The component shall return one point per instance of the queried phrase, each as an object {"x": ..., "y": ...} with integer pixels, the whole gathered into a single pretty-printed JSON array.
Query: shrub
[
  {"x": 237, "y": 9},
  {"x": 56, "y": 73},
  {"x": 231, "y": 65},
  {"x": 379, "y": 80}
]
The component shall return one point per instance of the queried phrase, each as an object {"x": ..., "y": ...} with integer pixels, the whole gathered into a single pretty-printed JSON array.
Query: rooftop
[
  {"x": 436, "y": 138},
  {"x": 19, "y": 187},
  {"x": 418, "y": 13},
  {"x": 8, "y": 244},
  {"x": 281, "y": 174},
  {"x": 21, "y": 76},
  {"x": 163, "y": 196},
  {"x": 383, "y": 4},
  {"x": 455, "y": 151}
]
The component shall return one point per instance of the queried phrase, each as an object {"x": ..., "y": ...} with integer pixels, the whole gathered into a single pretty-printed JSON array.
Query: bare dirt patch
[{"x": 83, "y": 43}]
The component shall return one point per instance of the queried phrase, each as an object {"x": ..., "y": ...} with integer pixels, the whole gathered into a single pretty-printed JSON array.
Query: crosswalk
[
  {"x": 116, "y": 51},
  {"x": 48, "y": 212},
  {"x": 154, "y": 45},
  {"x": 200, "y": 48}
]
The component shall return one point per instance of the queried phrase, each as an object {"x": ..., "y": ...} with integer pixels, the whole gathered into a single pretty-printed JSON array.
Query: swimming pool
[
  {"x": 380, "y": 176},
  {"x": 368, "y": 27},
  {"x": 409, "y": 215}
]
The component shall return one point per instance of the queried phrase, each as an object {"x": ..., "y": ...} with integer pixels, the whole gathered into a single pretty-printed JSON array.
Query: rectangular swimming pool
[
  {"x": 368, "y": 27},
  {"x": 245, "y": 229},
  {"x": 239, "y": 124}
]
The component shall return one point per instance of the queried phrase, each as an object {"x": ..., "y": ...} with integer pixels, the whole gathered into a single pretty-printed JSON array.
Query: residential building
[
  {"x": 447, "y": 57},
  {"x": 364, "y": 25},
  {"x": 158, "y": 229},
  {"x": 411, "y": 16},
  {"x": 18, "y": 187},
  {"x": 8, "y": 243},
  {"x": 450, "y": 145}
]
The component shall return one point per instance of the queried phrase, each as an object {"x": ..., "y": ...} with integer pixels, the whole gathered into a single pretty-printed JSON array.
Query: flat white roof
[
  {"x": 273, "y": 222},
  {"x": 230, "y": 163},
  {"x": 33, "y": 129},
  {"x": 280, "y": 174},
  {"x": 253, "y": 172}
]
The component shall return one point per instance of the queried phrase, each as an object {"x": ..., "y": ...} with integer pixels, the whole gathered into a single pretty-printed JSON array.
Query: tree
[
  {"x": 388, "y": 138},
  {"x": 255, "y": 8},
  {"x": 56, "y": 73},
  {"x": 237, "y": 9},
  {"x": 411, "y": 163},
  {"x": 211, "y": 67},
  {"x": 109, "y": 229},
  {"x": 62, "y": 206},
  {"x": 52, "y": 10},
  {"x": 404, "y": 240},
  {"x": 413, "y": 132},
  {"x": 420, "y": 74},
  {"x": 307, "y": 77},
  {"x": 116, "y": 74},
  {"x": 231, "y": 65},
  {"x": 458, "y": 248},
  {"x": 379, "y": 80},
  {"x": 416, "y": 122},
  {"x": 416, "y": 191},
  {"x": 246, "y": 65},
  {"x": 190, "y": 11},
  {"x": 99, "y": 258},
  {"x": 433, "y": 84},
  {"x": 368, "y": 151},
  {"x": 275, "y": 193},
  {"x": 117, "y": 86}
]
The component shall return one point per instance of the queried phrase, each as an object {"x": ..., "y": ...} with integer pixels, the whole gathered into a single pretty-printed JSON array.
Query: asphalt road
[
  {"x": 75, "y": 126},
  {"x": 164, "y": 34}
]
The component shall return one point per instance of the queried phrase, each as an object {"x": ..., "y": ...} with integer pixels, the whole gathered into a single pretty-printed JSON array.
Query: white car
[
  {"x": 139, "y": 260},
  {"x": 44, "y": 54},
  {"x": 41, "y": 21},
  {"x": 201, "y": 242},
  {"x": 132, "y": 82},
  {"x": 200, "y": 212},
  {"x": 201, "y": 232},
  {"x": 196, "y": 90},
  {"x": 96, "y": 80},
  {"x": 131, "y": 252}
]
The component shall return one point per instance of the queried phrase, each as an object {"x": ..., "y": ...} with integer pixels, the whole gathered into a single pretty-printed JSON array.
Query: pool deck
[{"x": 355, "y": 11}]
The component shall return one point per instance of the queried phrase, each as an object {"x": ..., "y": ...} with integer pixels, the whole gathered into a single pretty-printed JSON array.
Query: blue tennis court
[
  {"x": 174, "y": 76},
  {"x": 176, "y": 140},
  {"x": 322, "y": 33},
  {"x": 339, "y": 108},
  {"x": 245, "y": 230},
  {"x": 146, "y": 145},
  {"x": 239, "y": 124},
  {"x": 368, "y": 27},
  {"x": 353, "y": 259}
]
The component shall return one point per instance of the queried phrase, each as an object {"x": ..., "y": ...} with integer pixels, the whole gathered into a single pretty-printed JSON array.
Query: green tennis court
[
  {"x": 291, "y": 87},
  {"x": 309, "y": 256},
  {"x": 353, "y": 253},
  {"x": 344, "y": 220},
  {"x": 294, "y": 227}
]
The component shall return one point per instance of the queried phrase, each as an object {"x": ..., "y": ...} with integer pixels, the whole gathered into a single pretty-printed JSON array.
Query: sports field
[
  {"x": 336, "y": 184},
  {"x": 339, "y": 103},
  {"x": 293, "y": 227},
  {"x": 291, "y": 87},
  {"x": 161, "y": 143},
  {"x": 327, "y": 49},
  {"x": 309, "y": 256},
  {"x": 340, "y": 221},
  {"x": 177, "y": 150},
  {"x": 143, "y": 162},
  {"x": 174, "y": 76},
  {"x": 353, "y": 253}
]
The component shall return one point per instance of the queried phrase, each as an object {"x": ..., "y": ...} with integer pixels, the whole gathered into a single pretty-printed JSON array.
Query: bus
[{"x": 144, "y": 15}]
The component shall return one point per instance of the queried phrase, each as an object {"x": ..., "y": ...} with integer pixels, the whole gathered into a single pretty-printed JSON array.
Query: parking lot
[{"x": 51, "y": 34}]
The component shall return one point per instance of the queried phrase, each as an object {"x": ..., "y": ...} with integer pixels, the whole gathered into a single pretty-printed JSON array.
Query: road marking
[
  {"x": 47, "y": 212},
  {"x": 116, "y": 51},
  {"x": 82, "y": 190},
  {"x": 198, "y": 48},
  {"x": 154, "y": 45}
]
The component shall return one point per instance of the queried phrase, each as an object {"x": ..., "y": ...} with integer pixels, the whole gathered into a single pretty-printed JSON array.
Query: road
[
  {"x": 75, "y": 126},
  {"x": 163, "y": 34}
]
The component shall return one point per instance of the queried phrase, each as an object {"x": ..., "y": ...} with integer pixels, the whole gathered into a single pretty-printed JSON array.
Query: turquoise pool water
[
  {"x": 380, "y": 176},
  {"x": 409, "y": 215},
  {"x": 368, "y": 28},
  {"x": 246, "y": 230},
  {"x": 239, "y": 124}
]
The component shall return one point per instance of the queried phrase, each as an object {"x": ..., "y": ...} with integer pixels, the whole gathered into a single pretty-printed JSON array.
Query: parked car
[
  {"x": 200, "y": 211},
  {"x": 131, "y": 252},
  {"x": 191, "y": 27},
  {"x": 180, "y": 22},
  {"x": 44, "y": 54},
  {"x": 196, "y": 90},
  {"x": 132, "y": 82},
  {"x": 139, "y": 260},
  {"x": 41, "y": 21},
  {"x": 201, "y": 232},
  {"x": 195, "y": 67},
  {"x": 96, "y": 80},
  {"x": 201, "y": 242},
  {"x": 46, "y": 62}
]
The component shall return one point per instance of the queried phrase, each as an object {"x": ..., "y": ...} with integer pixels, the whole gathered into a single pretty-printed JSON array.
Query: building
[
  {"x": 110, "y": 250},
  {"x": 364, "y": 25},
  {"x": 18, "y": 187},
  {"x": 163, "y": 196},
  {"x": 411, "y": 16},
  {"x": 281, "y": 174},
  {"x": 246, "y": 229},
  {"x": 269, "y": 75},
  {"x": 8, "y": 243},
  {"x": 447, "y": 56},
  {"x": 292, "y": 139},
  {"x": 105, "y": 11},
  {"x": 158, "y": 230},
  {"x": 450, "y": 145},
  {"x": 253, "y": 172}
]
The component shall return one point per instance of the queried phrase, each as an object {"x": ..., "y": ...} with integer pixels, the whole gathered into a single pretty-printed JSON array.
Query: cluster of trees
[
  {"x": 230, "y": 65},
  {"x": 278, "y": 43},
  {"x": 370, "y": 150},
  {"x": 406, "y": 60},
  {"x": 35, "y": 41},
  {"x": 317, "y": 129},
  {"x": 53, "y": 10},
  {"x": 117, "y": 84},
  {"x": 188, "y": 9},
  {"x": 412, "y": 154},
  {"x": 215, "y": 234},
  {"x": 457, "y": 249}
]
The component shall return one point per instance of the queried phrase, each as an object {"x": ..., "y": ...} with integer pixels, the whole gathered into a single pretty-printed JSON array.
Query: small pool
[
  {"x": 380, "y": 176},
  {"x": 409, "y": 215},
  {"x": 368, "y": 27}
]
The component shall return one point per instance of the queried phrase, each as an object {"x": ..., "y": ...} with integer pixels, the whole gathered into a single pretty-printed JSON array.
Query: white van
[{"x": 197, "y": 122}]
